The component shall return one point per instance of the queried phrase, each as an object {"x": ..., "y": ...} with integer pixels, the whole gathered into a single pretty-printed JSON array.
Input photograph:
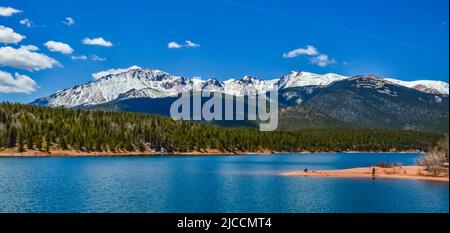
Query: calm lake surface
[{"x": 211, "y": 184}]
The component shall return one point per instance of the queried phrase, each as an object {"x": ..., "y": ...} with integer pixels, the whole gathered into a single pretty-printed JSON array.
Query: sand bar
[{"x": 400, "y": 172}]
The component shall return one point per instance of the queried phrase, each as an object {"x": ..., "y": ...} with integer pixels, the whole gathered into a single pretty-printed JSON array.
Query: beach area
[{"x": 399, "y": 172}]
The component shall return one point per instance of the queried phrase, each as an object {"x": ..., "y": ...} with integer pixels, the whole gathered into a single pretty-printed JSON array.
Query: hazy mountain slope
[
  {"x": 161, "y": 106},
  {"x": 290, "y": 118},
  {"x": 304, "y": 116},
  {"x": 368, "y": 101}
]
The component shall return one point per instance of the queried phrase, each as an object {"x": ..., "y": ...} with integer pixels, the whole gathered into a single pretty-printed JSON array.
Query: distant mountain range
[{"x": 307, "y": 100}]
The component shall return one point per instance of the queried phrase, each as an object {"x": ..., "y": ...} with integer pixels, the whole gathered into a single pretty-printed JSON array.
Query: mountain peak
[
  {"x": 301, "y": 78},
  {"x": 249, "y": 79},
  {"x": 131, "y": 72},
  {"x": 365, "y": 77}
]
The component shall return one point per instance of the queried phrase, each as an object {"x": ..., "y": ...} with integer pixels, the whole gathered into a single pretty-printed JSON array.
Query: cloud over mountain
[
  {"x": 309, "y": 50},
  {"x": 174, "y": 45},
  {"x": 97, "y": 41},
  {"x": 187, "y": 44},
  {"x": 16, "y": 84},
  {"x": 315, "y": 57},
  {"x": 26, "y": 58},
  {"x": 58, "y": 47},
  {"x": 322, "y": 60}
]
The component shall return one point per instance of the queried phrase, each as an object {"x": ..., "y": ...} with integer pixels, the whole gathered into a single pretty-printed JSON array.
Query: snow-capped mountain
[
  {"x": 427, "y": 86},
  {"x": 149, "y": 83},
  {"x": 249, "y": 85},
  {"x": 136, "y": 82},
  {"x": 300, "y": 79}
]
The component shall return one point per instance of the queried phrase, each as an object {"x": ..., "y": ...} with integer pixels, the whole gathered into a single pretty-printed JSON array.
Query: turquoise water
[{"x": 211, "y": 184}]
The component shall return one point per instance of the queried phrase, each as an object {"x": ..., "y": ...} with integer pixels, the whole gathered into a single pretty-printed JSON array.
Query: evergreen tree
[
  {"x": 47, "y": 144},
  {"x": 30, "y": 142},
  {"x": 39, "y": 143},
  {"x": 63, "y": 143},
  {"x": 20, "y": 144},
  {"x": 141, "y": 146},
  {"x": 12, "y": 137}
]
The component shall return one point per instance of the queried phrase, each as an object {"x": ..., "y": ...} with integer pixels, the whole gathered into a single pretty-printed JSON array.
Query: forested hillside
[{"x": 25, "y": 127}]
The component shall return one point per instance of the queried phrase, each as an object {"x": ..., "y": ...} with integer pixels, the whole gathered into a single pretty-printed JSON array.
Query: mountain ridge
[{"x": 136, "y": 82}]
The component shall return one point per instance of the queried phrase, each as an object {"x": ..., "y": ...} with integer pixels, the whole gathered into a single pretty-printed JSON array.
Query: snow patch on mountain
[
  {"x": 102, "y": 74},
  {"x": 427, "y": 86},
  {"x": 249, "y": 85},
  {"x": 301, "y": 79}
]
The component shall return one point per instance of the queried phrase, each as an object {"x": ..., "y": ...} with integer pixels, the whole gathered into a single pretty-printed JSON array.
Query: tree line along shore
[{"x": 31, "y": 128}]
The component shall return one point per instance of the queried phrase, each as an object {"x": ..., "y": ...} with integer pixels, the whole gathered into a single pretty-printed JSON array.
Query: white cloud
[
  {"x": 16, "y": 84},
  {"x": 187, "y": 44},
  {"x": 97, "y": 58},
  {"x": 30, "y": 47},
  {"x": 309, "y": 51},
  {"x": 69, "y": 21},
  {"x": 113, "y": 71},
  {"x": 26, "y": 58},
  {"x": 191, "y": 44},
  {"x": 58, "y": 47},
  {"x": 81, "y": 57},
  {"x": 84, "y": 58},
  {"x": 174, "y": 45},
  {"x": 316, "y": 58},
  {"x": 97, "y": 41},
  {"x": 27, "y": 22},
  {"x": 322, "y": 60},
  {"x": 8, "y": 11},
  {"x": 8, "y": 36}
]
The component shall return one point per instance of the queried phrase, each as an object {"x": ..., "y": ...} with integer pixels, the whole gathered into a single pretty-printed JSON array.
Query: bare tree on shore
[{"x": 437, "y": 160}]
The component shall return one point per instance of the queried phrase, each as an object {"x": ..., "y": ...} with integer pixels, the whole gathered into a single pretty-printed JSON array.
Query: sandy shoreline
[
  {"x": 74, "y": 153},
  {"x": 403, "y": 172}
]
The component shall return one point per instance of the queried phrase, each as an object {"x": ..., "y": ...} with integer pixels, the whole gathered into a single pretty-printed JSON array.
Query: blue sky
[{"x": 406, "y": 40}]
